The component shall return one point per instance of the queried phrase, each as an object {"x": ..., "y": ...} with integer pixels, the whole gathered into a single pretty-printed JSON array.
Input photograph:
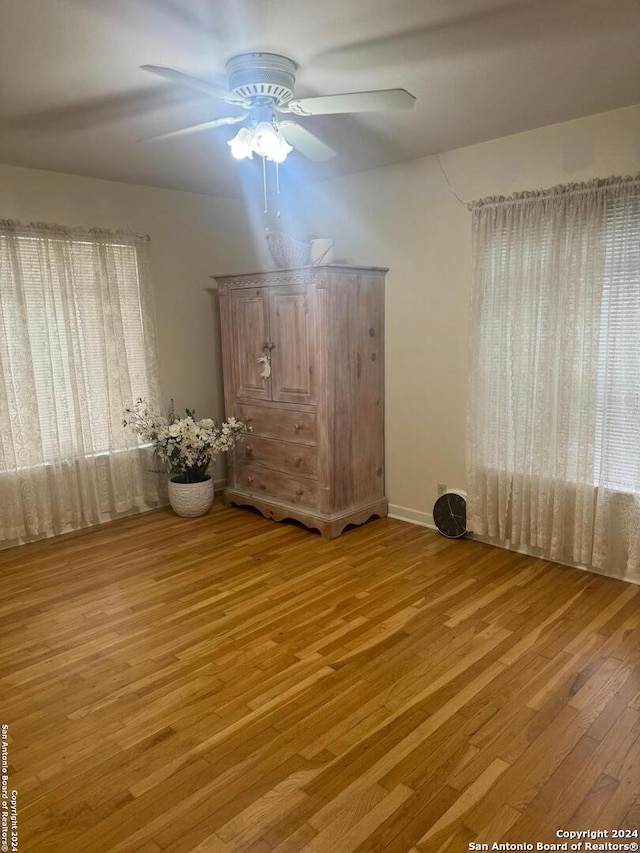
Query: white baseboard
[
  {"x": 535, "y": 552},
  {"x": 413, "y": 516},
  {"x": 425, "y": 519}
]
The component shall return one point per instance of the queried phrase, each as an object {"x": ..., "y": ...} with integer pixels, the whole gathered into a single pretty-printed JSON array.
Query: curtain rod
[
  {"x": 52, "y": 229},
  {"x": 593, "y": 186}
]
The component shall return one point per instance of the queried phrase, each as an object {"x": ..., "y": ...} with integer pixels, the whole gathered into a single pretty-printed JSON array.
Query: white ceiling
[{"x": 73, "y": 98}]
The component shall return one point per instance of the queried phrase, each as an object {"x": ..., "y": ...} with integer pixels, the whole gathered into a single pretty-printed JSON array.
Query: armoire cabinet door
[
  {"x": 249, "y": 316},
  {"x": 292, "y": 328}
]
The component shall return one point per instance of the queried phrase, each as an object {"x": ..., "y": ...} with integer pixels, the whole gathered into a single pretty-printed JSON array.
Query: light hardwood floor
[{"x": 231, "y": 684}]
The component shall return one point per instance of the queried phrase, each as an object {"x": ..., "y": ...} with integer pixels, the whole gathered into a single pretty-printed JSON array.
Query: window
[
  {"x": 69, "y": 349},
  {"x": 77, "y": 346},
  {"x": 617, "y": 459},
  {"x": 526, "y": 325},
  {"x": 554, "y": 420}
]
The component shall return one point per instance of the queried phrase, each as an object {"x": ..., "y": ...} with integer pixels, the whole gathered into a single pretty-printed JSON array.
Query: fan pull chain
[
  {"x": 264, "y": 185},
  {"x": 265, "y": 193}
]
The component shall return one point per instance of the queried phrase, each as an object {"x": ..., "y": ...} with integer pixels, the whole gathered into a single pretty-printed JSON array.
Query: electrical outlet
[{"x": 442, "y": 489}]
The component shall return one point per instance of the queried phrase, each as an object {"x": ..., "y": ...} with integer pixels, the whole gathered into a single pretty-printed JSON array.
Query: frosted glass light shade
[
  {"x": 265, "y": 141},
  {"x": 242, "y": 144},
  {"x": 280, "y": 155}
]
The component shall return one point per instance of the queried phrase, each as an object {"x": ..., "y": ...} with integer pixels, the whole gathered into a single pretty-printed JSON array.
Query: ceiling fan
[{"x": 261, "y": 87}]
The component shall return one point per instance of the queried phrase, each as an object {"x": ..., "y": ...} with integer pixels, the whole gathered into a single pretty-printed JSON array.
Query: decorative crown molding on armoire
[{"x": 303, "y": 362}]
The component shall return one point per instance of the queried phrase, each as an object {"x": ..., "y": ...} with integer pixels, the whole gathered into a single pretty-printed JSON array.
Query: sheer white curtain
[
  {"x": 77, "y": 345},
  {"x": 554, "y": 416}
]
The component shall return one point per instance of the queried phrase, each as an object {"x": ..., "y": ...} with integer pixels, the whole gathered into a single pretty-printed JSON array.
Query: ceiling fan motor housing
[{"x": 262, "y": 75}]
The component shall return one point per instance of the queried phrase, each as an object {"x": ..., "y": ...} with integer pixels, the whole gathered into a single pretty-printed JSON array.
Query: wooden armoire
[{"x": 303, "y": 360}]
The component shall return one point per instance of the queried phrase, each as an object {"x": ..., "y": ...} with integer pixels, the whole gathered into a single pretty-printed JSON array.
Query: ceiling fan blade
[
  {"x": 196, "y": 128},
  {"x": 354, "y": 102},
  {"x": 305, "y": 142},
  {"x": 206, "y": 86}
]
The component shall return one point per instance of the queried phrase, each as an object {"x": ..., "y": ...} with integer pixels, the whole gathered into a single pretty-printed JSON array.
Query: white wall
[
  {"x": 405, "y": 217},
  {"x": 192, "y": 237}
]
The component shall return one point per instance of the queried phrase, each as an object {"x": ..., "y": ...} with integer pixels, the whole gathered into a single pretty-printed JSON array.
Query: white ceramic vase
[{"x": 190, "y": 500}]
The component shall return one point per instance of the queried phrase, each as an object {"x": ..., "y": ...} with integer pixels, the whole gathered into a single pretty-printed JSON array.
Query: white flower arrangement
[{"x": 185, "y": 446}]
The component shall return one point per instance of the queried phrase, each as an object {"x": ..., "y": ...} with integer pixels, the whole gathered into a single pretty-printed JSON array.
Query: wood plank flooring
[{"x": 230, "y": 684}]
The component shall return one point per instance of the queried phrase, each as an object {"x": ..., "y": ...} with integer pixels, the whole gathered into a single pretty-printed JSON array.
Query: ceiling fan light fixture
[
  {"x": 241, "y": 145},
  {"x": 262, "y": 85},
  {"x": 265, "y": 139}
]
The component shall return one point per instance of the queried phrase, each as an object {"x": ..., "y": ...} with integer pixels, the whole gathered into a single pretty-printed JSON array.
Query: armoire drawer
[
  {"x": 287, "y": 456},
  {"x": 283, "y": 424},
  {"x": 264, "y": 483}
]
